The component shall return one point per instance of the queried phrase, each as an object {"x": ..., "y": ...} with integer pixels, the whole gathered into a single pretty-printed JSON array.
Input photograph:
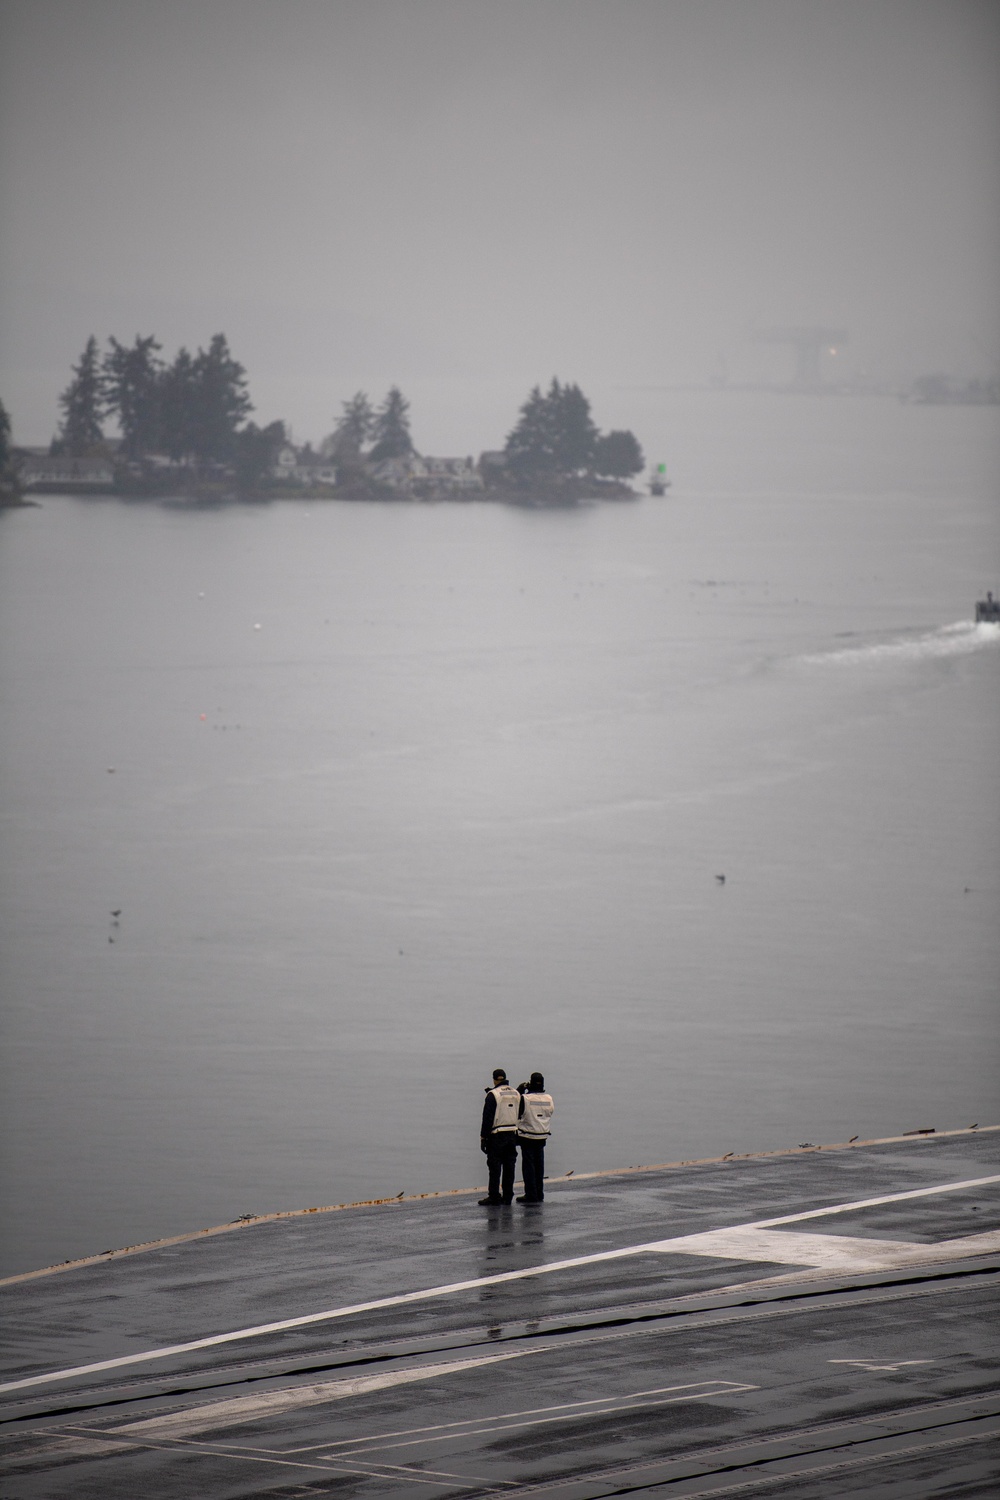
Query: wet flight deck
[{"x": 818, "y": 1322}]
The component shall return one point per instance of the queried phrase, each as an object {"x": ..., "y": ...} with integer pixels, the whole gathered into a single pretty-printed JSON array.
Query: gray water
[{"x": 390, "y": 795}]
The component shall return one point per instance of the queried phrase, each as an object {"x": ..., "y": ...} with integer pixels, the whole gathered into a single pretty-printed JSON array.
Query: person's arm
[{"x": 489, "y": 1115}]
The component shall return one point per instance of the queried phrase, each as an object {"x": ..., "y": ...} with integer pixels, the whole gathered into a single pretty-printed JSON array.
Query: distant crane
[{"x": 810, "y": 344}]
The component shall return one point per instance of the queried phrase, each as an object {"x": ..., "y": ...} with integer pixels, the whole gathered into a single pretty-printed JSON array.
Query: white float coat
[
  {"x": 536, "y": 1120},
  {"x": 508, "y": 1103}
]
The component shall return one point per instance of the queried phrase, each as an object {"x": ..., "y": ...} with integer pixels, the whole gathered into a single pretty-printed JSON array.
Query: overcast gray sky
[{"x": 471, "y": 195}]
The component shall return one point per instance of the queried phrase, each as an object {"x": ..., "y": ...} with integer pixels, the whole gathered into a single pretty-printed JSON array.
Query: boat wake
[{"x": 960, "y": 639}]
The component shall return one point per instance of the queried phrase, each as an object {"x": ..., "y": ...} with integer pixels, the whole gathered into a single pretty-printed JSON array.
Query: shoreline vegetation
[
  {"x": 206, "y": 493},
  {"x": 186, "y": 436}
]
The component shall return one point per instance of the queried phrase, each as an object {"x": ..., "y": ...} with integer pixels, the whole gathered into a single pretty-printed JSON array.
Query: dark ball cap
[
  {"x": 499, "y": 1075},
  {"x": 537, "y": 1082}
]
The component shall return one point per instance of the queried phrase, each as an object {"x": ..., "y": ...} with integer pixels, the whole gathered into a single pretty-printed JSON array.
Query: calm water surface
[{"x": 389, "y": 795}]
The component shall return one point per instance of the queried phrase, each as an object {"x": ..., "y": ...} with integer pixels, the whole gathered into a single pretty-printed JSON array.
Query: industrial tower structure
[{"x": 810, "y": 344}]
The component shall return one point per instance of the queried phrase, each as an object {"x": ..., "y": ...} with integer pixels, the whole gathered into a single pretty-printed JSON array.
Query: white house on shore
[
  {"x": 453, "y": 474},
  {"x": 410, "y": 474},
  {"x": 293, "y": 467},
  {"x": 398, "y": 473},
  {"x": 416, "y": 474}
]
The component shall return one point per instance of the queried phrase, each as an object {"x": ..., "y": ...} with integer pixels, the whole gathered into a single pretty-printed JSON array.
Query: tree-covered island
[{"x": 184, "y": 428}]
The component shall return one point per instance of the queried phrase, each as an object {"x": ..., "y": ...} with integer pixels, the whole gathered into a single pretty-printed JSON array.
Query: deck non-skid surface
[{"x": 809, "y": 1324}]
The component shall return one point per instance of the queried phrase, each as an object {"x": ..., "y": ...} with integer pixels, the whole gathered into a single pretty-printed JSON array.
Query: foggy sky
[{"x": 472, "y": 195}]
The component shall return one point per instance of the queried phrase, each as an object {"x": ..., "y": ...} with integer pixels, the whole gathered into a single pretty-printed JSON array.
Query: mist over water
[
  {"x": 390, "y": 795},
  {"x": 454, "y": 195}
]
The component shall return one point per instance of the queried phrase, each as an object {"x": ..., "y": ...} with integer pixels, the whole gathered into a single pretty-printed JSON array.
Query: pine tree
[
  {"x": 5, "y": 454},
  {"x": 555, "y": 439},
  {"x": 255, "y": 452},
  {"x": 354, "y": 428},
  {"x": 531, "y": 446},
  {"x": 220, "y": 401},
  {"x": 132, "y": 393},
  {"x": 82, "y": 403},
  {"x": 392, "y": 427},
  {"x": 574, "y": 432},
  {"x": 178, "y": 401}
]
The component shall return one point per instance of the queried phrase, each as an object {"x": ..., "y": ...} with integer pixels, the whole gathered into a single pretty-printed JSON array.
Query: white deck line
[
  {"x": 426, "y": 1294},
  {"x": 843, "y": 1208}
]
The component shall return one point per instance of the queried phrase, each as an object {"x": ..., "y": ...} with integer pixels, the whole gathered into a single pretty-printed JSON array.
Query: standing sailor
[
  {"x": 498, "y": 1137},
  {"x": 533, "y": 1129}
]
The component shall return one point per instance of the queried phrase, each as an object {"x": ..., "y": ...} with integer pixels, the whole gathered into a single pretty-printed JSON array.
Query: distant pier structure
[{"x": 809, "y": 343}]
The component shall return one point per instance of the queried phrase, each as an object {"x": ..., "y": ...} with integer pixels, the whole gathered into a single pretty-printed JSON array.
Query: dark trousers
[
  {"x": 501, "y": 1158},
  {"x": 533, "y": 1169}
]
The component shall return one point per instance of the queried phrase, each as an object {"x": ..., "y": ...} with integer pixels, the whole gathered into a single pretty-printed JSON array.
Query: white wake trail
[{"x": 960, "y": 639}]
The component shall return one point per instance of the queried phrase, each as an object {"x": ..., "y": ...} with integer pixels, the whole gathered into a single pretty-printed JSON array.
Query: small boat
[
  {"x": 658, "y": 481},
  {"x": 988, "y": 610}
]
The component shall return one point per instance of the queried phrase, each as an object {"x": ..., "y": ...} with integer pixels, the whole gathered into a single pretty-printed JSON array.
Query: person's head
[
  {"x": 499, "y": 1076},
  {"x": 537, "y": 1083}
]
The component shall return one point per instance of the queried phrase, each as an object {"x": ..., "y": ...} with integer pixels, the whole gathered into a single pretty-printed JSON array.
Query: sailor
[
  {"x": 533, "y": 1127},
  {"x": 498, "y": 1137}
]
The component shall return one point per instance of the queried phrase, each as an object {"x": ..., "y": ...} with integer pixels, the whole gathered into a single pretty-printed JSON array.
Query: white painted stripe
[
  {"x": 448, "y": 1290},
  {"x": 828, "y": 1252},
  {"x": 843, "y": 1208},
  {"x": 216, "y": 1414},
  {"x": 514, "y": 1421},
  {"x": 531, "y": 1416},
  {"x": 424, "y": 1295}
]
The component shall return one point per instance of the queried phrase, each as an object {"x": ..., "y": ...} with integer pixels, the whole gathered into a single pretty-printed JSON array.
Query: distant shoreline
[{"x": 537, "y": 497}]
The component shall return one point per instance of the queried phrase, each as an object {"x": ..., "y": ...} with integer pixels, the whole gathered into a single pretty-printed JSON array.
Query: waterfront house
[
  {"x": 455, "y": 475},
  {"x": 302, "y": 467},
  {"x": 401, "y": 473}
]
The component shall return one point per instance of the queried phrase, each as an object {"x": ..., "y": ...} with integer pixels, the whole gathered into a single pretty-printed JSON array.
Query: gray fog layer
[{"x": 466, "y": 196}]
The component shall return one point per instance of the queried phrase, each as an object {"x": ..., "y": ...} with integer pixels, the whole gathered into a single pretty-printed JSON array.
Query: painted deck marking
[
  {"x": 826, "y": 1252},
  {"x": 217, "y": 1415},
  {"x": 865, "y": 1364},
  {"x": 533, "y": 1416},
  {"x": 681, "y": 1245},
  {"x": 239, "y": 1409}
]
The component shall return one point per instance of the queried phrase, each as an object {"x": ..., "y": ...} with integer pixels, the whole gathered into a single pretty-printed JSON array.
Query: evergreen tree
[
  {"x": 556, "y": 439},
  {"x": 574, "y": 434},
  {"x": 354, "y": 428},
  {"x": 82, "y": 403},
  {"x": 618, "y": 455},
  {"x": 531, "y": 446},
  {"x": 5, "y": 454},
  {"x": 220, "y": 401},
  {"x": 391, "y": 429},
  {"x": 178, "y": 408},
  {"x": 132, "y": 393},
  {"x": 255, "y": 452}
]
